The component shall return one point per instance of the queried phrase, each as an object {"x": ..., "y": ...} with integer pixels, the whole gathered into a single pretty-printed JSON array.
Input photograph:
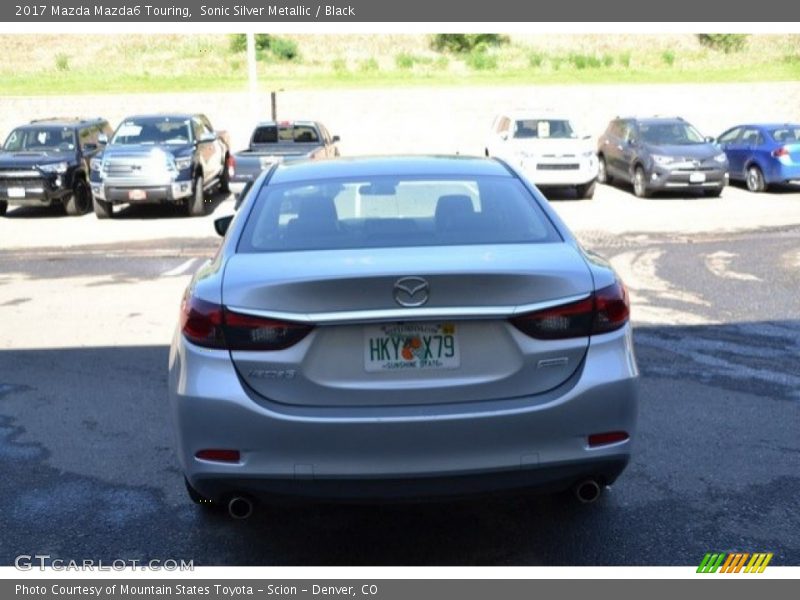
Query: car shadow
[
  {"x": 166, "y": 210},
  {"x": 35, "y": 212}
]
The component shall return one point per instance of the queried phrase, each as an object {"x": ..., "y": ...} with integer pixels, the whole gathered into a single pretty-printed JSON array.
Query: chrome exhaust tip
[
  {"x": 588, "y": 491},
  {"x": 240, "y": 507}
]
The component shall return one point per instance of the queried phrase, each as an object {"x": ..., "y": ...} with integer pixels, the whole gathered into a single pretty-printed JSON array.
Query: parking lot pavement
[{"x": 89, "y": 467}]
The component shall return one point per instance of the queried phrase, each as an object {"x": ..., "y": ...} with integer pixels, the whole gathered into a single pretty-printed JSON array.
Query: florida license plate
[
  {"x": 16, "y": 192},
  {"x": 697, "y": 177},
  {"x": 411, "y": 346}
]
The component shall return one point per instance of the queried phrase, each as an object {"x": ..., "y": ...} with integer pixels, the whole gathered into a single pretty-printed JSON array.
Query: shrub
[
  {"x": 62, "y": 62},
  {"x": 404, "y": 61},
  {"x": 238, "y": 41},
  {"x": 339, "y": 65},
  {"x": 535, "y": 59},
  {"x": 608, "y": 60},
  {"x": 369, "y": 66},
  {"x": 624, "y": 59},
  {"x": 480, "y": 60},
  {"x": 668, "y": 56},
  {"x": 464, "y": 43},
  {"x": 284, "y": 49},
  {"x": 584, "y": 61},
  {"x": 727, "y": 42}
]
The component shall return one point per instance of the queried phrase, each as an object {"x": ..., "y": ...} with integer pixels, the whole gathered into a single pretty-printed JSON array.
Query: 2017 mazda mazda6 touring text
[{"x": 399, "y": 327}]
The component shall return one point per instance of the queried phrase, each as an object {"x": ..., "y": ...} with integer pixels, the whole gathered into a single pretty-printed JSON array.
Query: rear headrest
[{"x": 453, "y": 204}]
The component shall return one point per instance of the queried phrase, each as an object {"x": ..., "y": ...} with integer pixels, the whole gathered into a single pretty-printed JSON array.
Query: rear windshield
[
  {"x": 385, "y": 212},
  {"x": 786, "y": 135},
  {"x": 273, "y": 134}
]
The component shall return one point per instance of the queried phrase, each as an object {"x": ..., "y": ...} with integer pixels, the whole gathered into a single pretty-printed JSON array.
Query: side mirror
[
  {"x": 221, "y": 225},
  {"x": 711, "y": 140},
  {"x": 102, "y": 139},
  {"x": 207, "y": 137},
  {"x": 336, "y": 138},
  {"x": 504, "y": 136}
]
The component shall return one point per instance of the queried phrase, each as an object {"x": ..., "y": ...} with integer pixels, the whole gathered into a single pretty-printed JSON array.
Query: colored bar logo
[{"x": 734, "y": 562}]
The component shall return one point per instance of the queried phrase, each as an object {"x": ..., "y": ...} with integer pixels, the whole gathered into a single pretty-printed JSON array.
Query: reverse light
[
  {"x": 210, "y": 325},
  {"x": 606, "y": 310}
]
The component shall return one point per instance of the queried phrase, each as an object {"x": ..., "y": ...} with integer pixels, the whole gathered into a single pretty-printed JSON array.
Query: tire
[
  {"x": 79, "y": 202},
  {"x": 602, "y": 171},
  {"x": 715, "y": 193},
  {"x": 3, "y": 207},
  {"x": 585, "y": 191},
  {"x": 225, "y": 178},
  {"x": 640, "y": 183},
  {"x": 196, "y": 203},
  {"x": 755, "y": 180},
  {"x": 102, "y": 209}
]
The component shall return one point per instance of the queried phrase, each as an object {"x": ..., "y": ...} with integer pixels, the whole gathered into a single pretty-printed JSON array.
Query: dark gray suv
[{"x": 658, "y": 154}]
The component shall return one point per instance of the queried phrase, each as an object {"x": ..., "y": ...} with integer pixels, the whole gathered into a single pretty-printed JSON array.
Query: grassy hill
[{"x": 122, "y": 63}]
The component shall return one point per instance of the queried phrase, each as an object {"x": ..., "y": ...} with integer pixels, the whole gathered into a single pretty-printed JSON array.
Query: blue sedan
[{"x": 763, "y": 154}]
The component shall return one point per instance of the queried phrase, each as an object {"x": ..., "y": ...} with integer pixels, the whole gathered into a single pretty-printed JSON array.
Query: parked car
[
  {"x": 46, "y": 162},
  {"x": 546, "y": 148},
  {"x": 171, "y": 158},
  {"x": 400, "y": 326},
  {"x": 657, "y": 154},
  {"x": 763, "y": 154},
  {"x": 273, "y": 142}
]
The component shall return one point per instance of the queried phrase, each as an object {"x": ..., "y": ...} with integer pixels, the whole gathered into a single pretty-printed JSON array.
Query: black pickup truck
[
  {"x": 46, "y": 162},
  {"x": 166, "y": 158},
  {"x": 273, "y": 142}
]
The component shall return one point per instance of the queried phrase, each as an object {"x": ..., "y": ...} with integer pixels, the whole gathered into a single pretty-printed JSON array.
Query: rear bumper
[
  {"x": 783, "y": 173},
  {"x": 393, "y": 451}
]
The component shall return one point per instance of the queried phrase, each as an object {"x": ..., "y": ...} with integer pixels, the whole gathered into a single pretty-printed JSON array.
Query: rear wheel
[
  {"x": 225, "y": 177},
  {"x": 586, "y": 190},
  {"x": 79, "y": 202},
  {"x": 602, "y": 170},
  {"x": 755, "y": 180},
  {"x": 196, "y": 203},
  {"x": 102, "y": 209},
  {"x": 3, "y": 207},
  {"x": 640, "y": 183}
]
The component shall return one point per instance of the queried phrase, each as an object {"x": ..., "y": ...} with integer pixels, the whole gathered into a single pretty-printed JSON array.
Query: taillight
[
  {"x": 782, "y": 151},
  {"x": 230, "y": 164},
  {"x": 219, "y": 455},
  {"x": 211, "y": 326},
  {"x": 606, "y": 310},
  {"x": 605, "y": 438}
]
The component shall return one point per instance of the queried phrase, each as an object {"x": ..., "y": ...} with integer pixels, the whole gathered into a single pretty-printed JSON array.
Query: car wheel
[
  {"x": 225, "y": 178},
  {"x": 586, "y": 190},
  {"x": 602, "y": 170},
  {"x": 79, "y": 202},
  {"x": 102, "y": 209},
  {"x": 755, "y": 179},
  {"x": 196, "y": 203},
  {"x": 640, "y": 183},
  {"x": 3, "y": 207}
]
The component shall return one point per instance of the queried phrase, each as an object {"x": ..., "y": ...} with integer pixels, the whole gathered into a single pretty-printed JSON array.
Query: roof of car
[
  {"x": 400, "y": 166},
  {"x": 521, "y": 114},
  {"x": 66, "y": 121},
  {"x": 175, "y": 116},
  {"x": 766, "y": 125},
  {"x": 652, "y": 119}
]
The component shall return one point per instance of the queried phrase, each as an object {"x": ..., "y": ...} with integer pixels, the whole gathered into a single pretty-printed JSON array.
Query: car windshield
[
  {"x": 670, "y": 133},
  {"x": 380, "y": 212},
  {"x": 543, "y": 128},
  {"x": 40, "y": 139},
  {"x": 788, "y": 134},
  {"x": 153, "y": 131},
  {"x": 286, "y": 132}
]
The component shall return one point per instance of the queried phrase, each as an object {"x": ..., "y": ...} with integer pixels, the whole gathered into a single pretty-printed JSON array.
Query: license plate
[
  {"x": 137, "y": 195},
  {"x": 411, "y": 347},
  {"x": 16, "y": 192},
  {"x": 697, "y": 178}
]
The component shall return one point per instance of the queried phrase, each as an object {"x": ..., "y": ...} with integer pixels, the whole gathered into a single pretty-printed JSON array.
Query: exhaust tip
[
  {"x": 588, "y": 491},
  {"x": 240, "y": 507}
]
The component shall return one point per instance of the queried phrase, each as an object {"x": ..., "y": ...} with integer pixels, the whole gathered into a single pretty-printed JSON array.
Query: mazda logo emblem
[{"x": 411, "y": 291}]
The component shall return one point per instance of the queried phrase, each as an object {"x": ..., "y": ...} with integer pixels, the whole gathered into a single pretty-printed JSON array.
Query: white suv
[{"x": 546, "y": 149}]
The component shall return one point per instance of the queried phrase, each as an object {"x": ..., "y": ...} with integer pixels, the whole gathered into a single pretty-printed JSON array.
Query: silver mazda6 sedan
[{"x": 400, "y": 327}]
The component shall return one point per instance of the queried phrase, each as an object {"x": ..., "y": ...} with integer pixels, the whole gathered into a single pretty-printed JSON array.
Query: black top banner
[{"x": 420, "y": 11}]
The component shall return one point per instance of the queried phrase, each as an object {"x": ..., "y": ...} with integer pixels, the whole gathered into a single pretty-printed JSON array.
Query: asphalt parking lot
[{"x": 87, "y": 310}]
